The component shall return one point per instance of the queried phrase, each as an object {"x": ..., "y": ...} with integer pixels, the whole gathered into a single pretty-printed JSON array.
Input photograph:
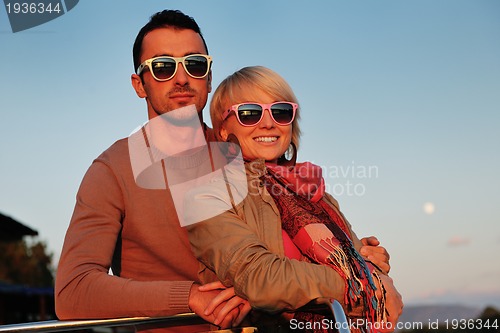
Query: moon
[{"x": 429, "y": 208}]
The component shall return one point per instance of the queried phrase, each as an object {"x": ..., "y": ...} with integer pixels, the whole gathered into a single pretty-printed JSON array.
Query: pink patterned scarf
[{"x": 321, "y": 234}]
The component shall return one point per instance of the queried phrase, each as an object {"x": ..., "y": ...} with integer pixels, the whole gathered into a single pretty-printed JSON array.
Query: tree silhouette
[{"x": 26, "y": 264}]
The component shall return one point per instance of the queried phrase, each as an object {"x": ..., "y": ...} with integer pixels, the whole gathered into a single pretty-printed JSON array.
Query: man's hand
[
  {"x": 228, "y": 300},
  {"x": 218, "y": 305},
  {"x": 393, "y": 303},
  {"x": 375, "y": 253}
]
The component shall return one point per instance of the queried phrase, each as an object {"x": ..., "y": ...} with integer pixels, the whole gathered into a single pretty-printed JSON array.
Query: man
[{"x": 135, "y": 231}]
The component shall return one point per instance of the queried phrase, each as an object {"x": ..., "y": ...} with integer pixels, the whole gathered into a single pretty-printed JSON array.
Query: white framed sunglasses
[{"x": 164, "y": 68}]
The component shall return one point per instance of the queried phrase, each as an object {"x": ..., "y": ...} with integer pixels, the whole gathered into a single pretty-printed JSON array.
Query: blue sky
[{"x": 400, "y": 105}]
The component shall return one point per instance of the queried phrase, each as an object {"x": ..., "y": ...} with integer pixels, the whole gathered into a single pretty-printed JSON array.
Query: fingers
[
  {"x": 384, "y": 267},
  {"x": 370, "y": 249},
  {"x": 392, "y": 321},
  {"x": 377, "y": 255},
  {"x": 370, "y": 241},
  {"x": 223, "y": 296},
  {"x": 227, "y": 320},
  {"x": 211, "y": 286},
  {"x": 394, "y": 301},
  {"x": 218, "y": 305},
  {"x": 245, "y": 309},
  {"x": 229, "y": 313},
  {"x": 225, "y": 308}
]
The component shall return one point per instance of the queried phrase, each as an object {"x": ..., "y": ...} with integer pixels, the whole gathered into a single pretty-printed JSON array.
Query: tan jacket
[{"x": 244, "y": 247}]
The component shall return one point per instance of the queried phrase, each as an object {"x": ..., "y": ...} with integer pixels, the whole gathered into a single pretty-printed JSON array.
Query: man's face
[{"x": 182, "y": 89}]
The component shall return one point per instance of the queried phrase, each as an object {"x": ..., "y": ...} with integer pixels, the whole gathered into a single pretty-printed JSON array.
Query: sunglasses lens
[
  {"x": 282, "y": 113},
  {"x": 163, "y": 68},
  {"x": 249, "y": 114},
  {"x": 197, "y": 66}
]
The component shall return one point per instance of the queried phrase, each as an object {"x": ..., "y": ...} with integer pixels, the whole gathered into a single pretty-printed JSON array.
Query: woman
[{"x": 264, "y": 246}]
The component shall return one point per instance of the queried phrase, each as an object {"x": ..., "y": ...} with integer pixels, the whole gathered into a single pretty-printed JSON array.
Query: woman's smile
[{"x": 266, "y": 139}]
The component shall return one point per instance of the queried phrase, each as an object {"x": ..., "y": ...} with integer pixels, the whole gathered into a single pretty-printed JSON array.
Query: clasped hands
[{"x": 220, "y": 305}]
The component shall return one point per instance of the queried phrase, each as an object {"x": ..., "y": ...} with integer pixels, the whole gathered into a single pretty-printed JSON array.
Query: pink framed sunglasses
[{"x": 250, "y": 113}]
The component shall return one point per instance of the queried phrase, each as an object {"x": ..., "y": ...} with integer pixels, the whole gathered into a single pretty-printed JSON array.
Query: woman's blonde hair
[{"x": 244, "y": 86}]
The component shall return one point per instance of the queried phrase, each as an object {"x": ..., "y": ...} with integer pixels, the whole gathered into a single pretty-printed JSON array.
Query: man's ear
[
  {"x": 138, "y": 86},
  {"x": 209, "y": 82}
]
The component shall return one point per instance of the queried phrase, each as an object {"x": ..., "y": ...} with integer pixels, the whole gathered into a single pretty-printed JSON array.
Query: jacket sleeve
[
  {"x": 84, "y": 289},
  {"x": 228, "y": 246}
]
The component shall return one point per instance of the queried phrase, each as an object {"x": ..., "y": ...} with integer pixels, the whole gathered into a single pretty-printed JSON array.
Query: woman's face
[{"x": 266, "y": 140}]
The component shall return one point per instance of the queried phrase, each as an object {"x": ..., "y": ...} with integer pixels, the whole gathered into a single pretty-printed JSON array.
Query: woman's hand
[
  {"x": 393, "y": 303},
  {"x": 224, "y": 303},
  {"x": 376, "y": 254}
]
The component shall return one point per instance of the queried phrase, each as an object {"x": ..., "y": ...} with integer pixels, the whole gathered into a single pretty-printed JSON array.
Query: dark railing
[{"x": 171, "y": 321}]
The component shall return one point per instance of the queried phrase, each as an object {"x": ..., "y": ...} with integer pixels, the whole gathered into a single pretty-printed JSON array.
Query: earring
[
  {"x": 289, "y": 158},
  {"x": 233, "y": 147}
]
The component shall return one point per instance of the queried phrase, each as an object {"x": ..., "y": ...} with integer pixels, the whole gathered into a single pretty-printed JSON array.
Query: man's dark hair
[{"x": 166, "y": 18}]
